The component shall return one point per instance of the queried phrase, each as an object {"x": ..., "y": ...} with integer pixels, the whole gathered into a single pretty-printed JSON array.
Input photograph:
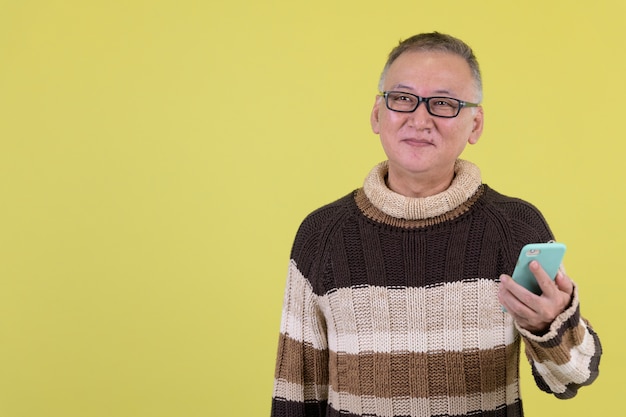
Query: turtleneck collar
[{"x": 466, "y": 182}]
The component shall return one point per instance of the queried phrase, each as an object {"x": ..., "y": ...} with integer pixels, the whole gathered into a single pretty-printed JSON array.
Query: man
[{"x": 397, "y": 300}]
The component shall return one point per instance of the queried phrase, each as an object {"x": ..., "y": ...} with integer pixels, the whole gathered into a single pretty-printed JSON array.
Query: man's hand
[{"x": 534, "y": 312}]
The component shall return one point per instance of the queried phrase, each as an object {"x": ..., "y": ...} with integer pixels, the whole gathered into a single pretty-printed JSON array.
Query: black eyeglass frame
[{"x": 426, "y": 101}]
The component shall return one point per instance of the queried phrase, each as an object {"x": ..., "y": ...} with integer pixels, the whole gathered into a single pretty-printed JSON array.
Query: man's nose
[{"x": 421, "y": 116}]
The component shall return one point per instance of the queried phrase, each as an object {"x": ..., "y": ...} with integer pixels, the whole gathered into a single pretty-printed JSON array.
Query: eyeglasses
[{"x": 437, "y": 106}]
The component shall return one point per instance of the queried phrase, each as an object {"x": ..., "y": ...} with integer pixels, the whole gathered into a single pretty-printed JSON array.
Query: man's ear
[
  {"x": 477, "y": 127},
  {"x": 375, "y": 116}
]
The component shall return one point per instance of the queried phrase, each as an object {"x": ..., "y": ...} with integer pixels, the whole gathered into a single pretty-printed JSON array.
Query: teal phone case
[{"x": 549, "y": 256}]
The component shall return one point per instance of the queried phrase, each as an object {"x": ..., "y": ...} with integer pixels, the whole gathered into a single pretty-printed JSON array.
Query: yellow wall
[{"x": 156, "y": 158}]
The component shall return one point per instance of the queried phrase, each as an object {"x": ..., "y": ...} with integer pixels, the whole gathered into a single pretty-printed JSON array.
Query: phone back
[{"x": 549, "y": 256}]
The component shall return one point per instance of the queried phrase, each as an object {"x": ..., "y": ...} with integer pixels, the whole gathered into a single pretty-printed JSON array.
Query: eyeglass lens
[{"x": 437, "y": 106}]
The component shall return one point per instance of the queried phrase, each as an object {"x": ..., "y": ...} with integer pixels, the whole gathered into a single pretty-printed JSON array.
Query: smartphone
[{"x": 549, "y": 255}]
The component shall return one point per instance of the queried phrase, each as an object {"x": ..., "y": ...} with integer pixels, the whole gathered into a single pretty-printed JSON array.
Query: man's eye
[
  {"x": 403, "y": 98},
  {"x": 443, "y": 103}
]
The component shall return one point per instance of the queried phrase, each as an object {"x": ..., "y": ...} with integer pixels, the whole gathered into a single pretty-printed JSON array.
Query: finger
[
  {"x": 543, "y": 279},
  {"x": 509, "y": 286},
  {"x": 519, "y": 311},
  {"x": 515, "y": 297}
]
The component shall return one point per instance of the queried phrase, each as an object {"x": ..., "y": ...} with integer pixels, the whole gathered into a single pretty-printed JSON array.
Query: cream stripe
[
  {"x": 300, "y": 315},
  {"x": 425, "y": 319},
  {"x": 575, "y": 371},
  {"x": 387, "y": 407},
  {"x": 452, "y": 341},
  {"x": 296, "y": 392}
]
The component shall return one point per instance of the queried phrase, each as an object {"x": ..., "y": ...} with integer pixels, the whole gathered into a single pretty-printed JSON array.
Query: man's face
[{"x": 419, "y": 143}]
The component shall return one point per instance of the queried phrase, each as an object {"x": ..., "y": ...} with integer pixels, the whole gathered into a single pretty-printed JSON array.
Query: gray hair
[{"x": 439, "y": 42}]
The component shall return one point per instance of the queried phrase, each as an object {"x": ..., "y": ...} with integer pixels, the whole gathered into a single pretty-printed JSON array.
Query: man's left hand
[{"x": 534, "y": 312}]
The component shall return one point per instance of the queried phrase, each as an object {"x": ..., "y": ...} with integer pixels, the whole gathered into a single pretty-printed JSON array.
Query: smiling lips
[{"x": 417, "y": 142}]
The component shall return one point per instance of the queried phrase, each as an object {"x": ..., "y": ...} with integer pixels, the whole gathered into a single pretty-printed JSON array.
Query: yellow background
[{"x": 156, "y": 158}]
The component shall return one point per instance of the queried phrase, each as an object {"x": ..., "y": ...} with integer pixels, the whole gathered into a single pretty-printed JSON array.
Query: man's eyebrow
[
  {"x": 404, "y": 87},
  {"x": 407, "y": 87}
]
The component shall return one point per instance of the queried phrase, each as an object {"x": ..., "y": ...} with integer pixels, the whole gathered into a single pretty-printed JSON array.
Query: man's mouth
[{"x": 418, "y": 142}]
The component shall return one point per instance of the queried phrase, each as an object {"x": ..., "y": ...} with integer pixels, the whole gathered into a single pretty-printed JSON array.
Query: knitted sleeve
[
  {"x": 568, "y": 356},
  {"x": 301, "y": 376}
]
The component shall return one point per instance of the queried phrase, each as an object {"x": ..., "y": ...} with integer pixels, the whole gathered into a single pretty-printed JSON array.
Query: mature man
[{"x": 393, "y": 304}]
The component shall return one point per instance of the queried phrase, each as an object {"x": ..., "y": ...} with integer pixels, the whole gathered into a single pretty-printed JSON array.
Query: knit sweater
[{"x": 391, "y": 308}]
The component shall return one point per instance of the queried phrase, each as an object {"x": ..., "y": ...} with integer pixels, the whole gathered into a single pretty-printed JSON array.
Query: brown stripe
[
  {"x": 300, "y": 363},
  {"x": 387, "y": 375},
  {"x": 423, "y": 375}
]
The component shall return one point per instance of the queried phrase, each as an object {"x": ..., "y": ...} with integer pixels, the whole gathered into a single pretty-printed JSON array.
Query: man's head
[
  {"x": 441, "y": 43},
  {"x": 427, "y": 112}
]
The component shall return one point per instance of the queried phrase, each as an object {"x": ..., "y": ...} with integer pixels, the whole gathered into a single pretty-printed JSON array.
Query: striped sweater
[{"x": 391, "y": 308}]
